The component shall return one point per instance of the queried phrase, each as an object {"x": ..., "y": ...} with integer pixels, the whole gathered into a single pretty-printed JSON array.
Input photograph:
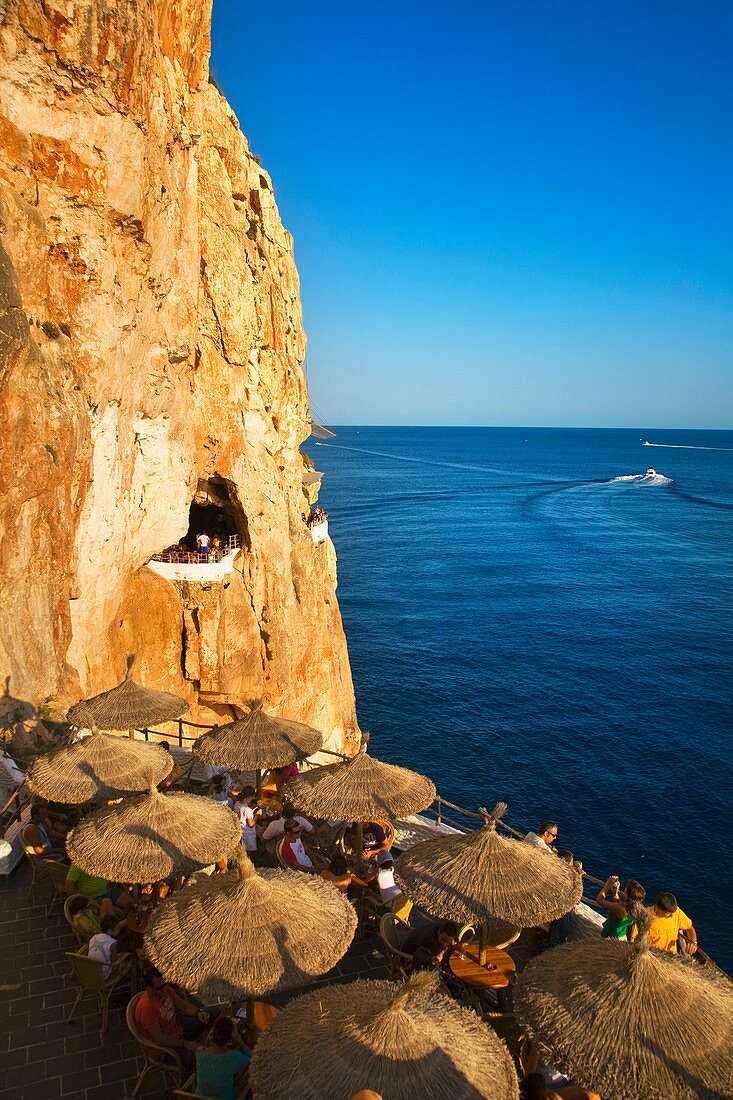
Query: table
[{"x": 465, "y": 965}]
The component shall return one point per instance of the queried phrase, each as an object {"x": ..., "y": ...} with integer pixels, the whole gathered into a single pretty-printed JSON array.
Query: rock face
[{"x": 151, "y": 351}]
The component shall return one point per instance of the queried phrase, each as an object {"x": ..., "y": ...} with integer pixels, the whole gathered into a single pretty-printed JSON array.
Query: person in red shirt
[{"x": 169, "y": 1020}]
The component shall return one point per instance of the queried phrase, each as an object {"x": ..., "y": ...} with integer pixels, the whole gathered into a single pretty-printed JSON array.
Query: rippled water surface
[{"x": 532, "y": 618}]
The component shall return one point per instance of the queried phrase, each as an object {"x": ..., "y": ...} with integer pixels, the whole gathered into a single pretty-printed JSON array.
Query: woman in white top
[
  {"x": 388, "y": 888},
  {"x": 103, "y": 946}
]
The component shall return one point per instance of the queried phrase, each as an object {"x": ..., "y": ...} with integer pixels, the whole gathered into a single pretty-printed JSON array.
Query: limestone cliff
[{"x": 151, "y": 352}]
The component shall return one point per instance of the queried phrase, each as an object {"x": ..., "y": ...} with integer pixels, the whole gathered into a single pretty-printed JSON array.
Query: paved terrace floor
[{"x": 41, "y": 1056}]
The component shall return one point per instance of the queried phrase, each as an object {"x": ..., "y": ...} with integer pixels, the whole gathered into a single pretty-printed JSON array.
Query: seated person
[
  {"x": 432, "y": 941},
  {"x": 169, "y": 1020},
  {"x": 103, "y": 945},
  {"x": 276, "y": 827},
  {"x": 375, "y": 839},
  {"x": 668, "y": 920},
  {"x": 98, "y": 889},
  {"x": 542, "y": 1082},
  {"x": 39, "y": 837},
  {"x": 339, "y": 875},
  {"x": 388, "y": 888},
  {"x": 221, "y": 1064},
  {"x": 545, "y": 837},
  {"x": 86, "y": 916},
  {"x": 620, "y": 916},
  {"x": 217, "y": 791},
  {"x": 297, "y": 854}
]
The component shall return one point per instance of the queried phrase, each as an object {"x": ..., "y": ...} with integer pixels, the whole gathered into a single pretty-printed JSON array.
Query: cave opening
[
  {"x": 216, "y": 513},
  {"x": 217, "y": 525}
]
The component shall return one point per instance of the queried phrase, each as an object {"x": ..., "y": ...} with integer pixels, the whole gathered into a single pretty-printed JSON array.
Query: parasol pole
[{"x": 482, "y": 944}]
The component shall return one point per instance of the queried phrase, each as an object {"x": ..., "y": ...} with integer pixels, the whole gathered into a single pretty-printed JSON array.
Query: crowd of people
[
  {"x": 670, "y": 929},
  {"x": 110, "y": 918}
]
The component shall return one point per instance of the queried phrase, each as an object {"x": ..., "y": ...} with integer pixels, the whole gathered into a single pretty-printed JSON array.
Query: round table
[{"x": 465, "y": 965}]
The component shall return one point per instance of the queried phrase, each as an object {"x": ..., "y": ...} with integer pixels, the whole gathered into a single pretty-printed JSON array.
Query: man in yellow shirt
[{"x": 668, "y": 920}]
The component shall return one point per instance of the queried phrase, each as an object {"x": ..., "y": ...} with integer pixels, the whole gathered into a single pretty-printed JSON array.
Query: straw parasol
[
  {"x": 127, "y": 706},
  {"x": 152, "y": 836},
  {"x": 630, "y": 1022},
  {"x": 488, "y": 878},
  {"x": 405, "y": 1042},
  {"x": 98, "y": 766},
  {"x": 258, "y": 741},
  {"x": 250, "y": 933},
  {"x": 361, "y": 789}
]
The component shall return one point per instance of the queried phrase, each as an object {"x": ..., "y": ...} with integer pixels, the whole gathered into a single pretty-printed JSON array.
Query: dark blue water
[{"x": 523, "y": 627}]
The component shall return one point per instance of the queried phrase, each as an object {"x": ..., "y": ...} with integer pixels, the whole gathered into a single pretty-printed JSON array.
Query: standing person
[
  {"x": 617, "y": 924},
  {"x": 222, "y": 1062},
  {"x": 668, "y": 920},
  {"x": 202, "y": 544},
  {"x": 242, "y": 807},
  {"x": 545, "y": 836},
  {"x": 174, "y": 774}
]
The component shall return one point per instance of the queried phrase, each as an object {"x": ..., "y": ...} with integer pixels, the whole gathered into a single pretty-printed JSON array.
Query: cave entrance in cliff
[{"x": 216, "y": 512}]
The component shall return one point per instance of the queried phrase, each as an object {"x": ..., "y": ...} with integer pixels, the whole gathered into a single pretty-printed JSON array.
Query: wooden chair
[
  {"x": 388, "y": 930},
  {"x": 389, "y": 830},
  {"x": 57, "y": 872},
  {"x": 402, "y": 907},
  {"x": 38, "y": 873},
  {"x": 89, "y": 974},
  {"x": 169, "y": 1061},
  {"x": 466, "y": 932},
  {"x": 502, "y": 936}
]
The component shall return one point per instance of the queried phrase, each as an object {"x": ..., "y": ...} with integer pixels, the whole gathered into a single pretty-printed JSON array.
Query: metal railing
[{"x": 197, "y": 557}]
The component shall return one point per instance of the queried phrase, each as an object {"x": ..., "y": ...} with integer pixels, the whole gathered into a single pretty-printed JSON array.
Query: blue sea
[{"x": 532, "y": 619}]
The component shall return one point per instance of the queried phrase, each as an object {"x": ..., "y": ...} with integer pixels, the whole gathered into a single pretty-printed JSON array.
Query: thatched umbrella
[
  {"x": 250, "y": 933},
  {"x": 630, "y": 1022},
  {"x": 404, "y": 1042},
  {"x": 488, "y": 878},
  {"x": 152, "y": 836},
  {"x": 127, "y": 706},
  {"x": 360, "y": 790},
  {"x": 258, "y": 741},
  {"x": 99, "y": 766}
]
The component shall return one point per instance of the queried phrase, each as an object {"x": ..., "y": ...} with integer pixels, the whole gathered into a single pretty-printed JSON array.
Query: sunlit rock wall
[{"x": 150, "y": 337}]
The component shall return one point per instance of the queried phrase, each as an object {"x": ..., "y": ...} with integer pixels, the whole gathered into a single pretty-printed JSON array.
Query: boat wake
[
  {"x": 648, "y": 478},
  {"x": 683, "y": 446}
]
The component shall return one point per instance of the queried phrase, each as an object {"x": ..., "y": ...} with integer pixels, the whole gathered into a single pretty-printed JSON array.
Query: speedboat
[{"x": 650, "y": 472}]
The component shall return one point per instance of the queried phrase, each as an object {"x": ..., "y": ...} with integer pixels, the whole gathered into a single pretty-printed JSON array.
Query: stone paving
[{"x": 41, "y": 1056}]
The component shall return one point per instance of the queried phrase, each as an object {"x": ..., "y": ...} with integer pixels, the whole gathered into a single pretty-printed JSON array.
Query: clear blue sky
[{"x": 504, "y": 212}]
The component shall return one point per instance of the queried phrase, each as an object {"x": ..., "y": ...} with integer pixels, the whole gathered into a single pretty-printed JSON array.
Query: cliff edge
[{"x": 151, "y": 377}]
